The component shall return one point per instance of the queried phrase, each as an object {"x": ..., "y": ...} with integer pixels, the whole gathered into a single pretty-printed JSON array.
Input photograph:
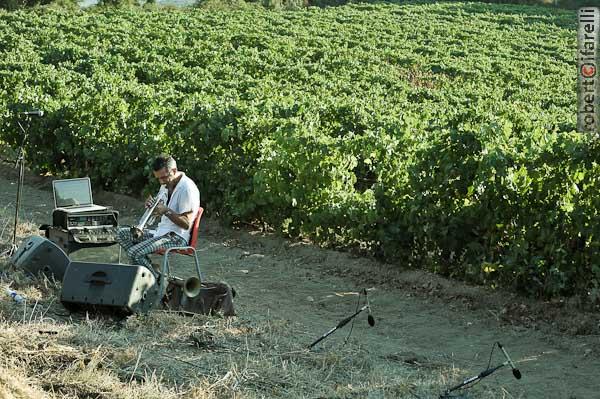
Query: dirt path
[
  {"x": 301, "y": 280},
  {"x": 422, "y": 321}
]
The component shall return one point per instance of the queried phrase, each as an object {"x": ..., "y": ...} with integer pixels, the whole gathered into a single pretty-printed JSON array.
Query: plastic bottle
[{"x": 15, "y": 296}]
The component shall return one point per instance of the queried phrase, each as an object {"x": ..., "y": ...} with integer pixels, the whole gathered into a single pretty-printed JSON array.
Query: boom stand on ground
[
  {"x": 483, "y": 374},
  {"x": 21, "y": 165},
  {"x": 340, "y": 325}
]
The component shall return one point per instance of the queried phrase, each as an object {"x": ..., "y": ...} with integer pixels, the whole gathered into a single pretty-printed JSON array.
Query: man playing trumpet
[{"x": 178, "y": 211}]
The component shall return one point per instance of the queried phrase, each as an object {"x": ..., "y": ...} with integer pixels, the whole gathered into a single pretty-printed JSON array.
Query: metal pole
[
  {"x": 21, "y": 165},
  {"x": 21, "y": 162}
]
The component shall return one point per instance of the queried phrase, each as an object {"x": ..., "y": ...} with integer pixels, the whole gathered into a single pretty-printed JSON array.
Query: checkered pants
[{"x": 139, "y": 249}]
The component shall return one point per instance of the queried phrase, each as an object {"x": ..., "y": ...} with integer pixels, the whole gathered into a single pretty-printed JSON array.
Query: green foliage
[
  {"x": 569, "y": 4},
  {"x": 12, "y": 5},
  {"x": 120, "y": 3},
  {"x": 16, "y": 4},
  {"x": 223, "y": 5},
  {"x": 72, "y": 5},
  {"x": 284, "y": 4},
  {"x": 433, "y": 135}
]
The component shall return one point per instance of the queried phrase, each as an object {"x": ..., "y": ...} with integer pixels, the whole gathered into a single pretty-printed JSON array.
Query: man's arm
[{"x": 183, "y": 220}]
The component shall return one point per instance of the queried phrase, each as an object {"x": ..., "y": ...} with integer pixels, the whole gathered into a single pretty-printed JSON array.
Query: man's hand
[
  {"x": 161, "y": 209},
  {"x": 149, "y": 202}
]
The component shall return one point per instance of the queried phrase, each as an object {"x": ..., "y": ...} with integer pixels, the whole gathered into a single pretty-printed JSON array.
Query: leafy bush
[
  {"x": 15, "y": 4},
  {"x": 12, "y": 5},
  {"x": 223, "y": 5},
  {"x": 431, "y": 135},
  {"x": 118, "y": 3}
]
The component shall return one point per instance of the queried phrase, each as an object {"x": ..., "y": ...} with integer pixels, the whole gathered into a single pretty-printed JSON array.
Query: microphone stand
[
  {"x": 21, "y": 165},
  {"x": 483, "y": 374},
  {"x": 340, "y": 325}
]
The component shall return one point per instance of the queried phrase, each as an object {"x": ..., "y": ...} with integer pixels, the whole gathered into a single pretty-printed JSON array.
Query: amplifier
[
  {"x": 74, "y": 239},
  {"x": 109, "y": 286},
  {"x": 75, "y": 230},
  {"x": 79, "y": 220}
]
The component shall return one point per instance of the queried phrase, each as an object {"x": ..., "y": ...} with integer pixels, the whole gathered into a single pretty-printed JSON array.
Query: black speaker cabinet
[
  {"x": 109, "y": 286},
  {"x": 38, "y": 254}
]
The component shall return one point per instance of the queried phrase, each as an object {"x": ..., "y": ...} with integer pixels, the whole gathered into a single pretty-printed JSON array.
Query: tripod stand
[{"x": 20, "y": 163}]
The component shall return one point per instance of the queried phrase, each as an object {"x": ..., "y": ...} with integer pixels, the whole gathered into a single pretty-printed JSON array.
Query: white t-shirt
[{"x": 185, "y": 198}]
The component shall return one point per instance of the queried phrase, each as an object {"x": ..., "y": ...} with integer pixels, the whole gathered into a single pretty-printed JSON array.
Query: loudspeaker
[
  {"x": 109, "y": 286},
  {"x": 38, "y": 254},
  {"x": 206, "y": 298}
]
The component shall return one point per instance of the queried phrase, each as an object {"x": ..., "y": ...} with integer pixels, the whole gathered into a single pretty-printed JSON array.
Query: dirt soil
[{"x": 421, "y": 320}]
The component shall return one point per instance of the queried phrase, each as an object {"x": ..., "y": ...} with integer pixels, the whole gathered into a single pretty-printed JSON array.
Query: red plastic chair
[{"x": 189, "y": 250}]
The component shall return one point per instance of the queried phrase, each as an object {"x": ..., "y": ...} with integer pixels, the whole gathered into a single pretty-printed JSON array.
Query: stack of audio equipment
[
  {"x": 79, "y": 223},
  {"x": 75, "y": 230},
  {"x": 76, "y": 221},
  {"x": 93, "y": 286}
]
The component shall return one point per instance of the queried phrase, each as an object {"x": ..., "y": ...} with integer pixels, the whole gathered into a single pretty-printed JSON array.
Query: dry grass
[
  {"x": 48, "y": 352},
  {"x": 7, "y": 220}
]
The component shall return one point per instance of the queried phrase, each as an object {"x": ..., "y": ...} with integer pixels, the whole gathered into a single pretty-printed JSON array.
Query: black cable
[
  {"x": 352, "y": 325},
  {"x": 356, "y": 310},
  {"x": 491, "y": 353},
  {"x": 345, "y": 321},
  {"x": 488, "y": 366}
]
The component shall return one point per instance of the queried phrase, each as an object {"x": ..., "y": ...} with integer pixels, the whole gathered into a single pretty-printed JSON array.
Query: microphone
[
  {"x": 370, "y": 318},
  {"x": 35, "y": 112},
  {"x": 515, "y": 370}
]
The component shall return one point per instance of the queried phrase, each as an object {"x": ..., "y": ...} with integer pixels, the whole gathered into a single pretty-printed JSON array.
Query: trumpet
[{"x": 147, "y": 218}]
